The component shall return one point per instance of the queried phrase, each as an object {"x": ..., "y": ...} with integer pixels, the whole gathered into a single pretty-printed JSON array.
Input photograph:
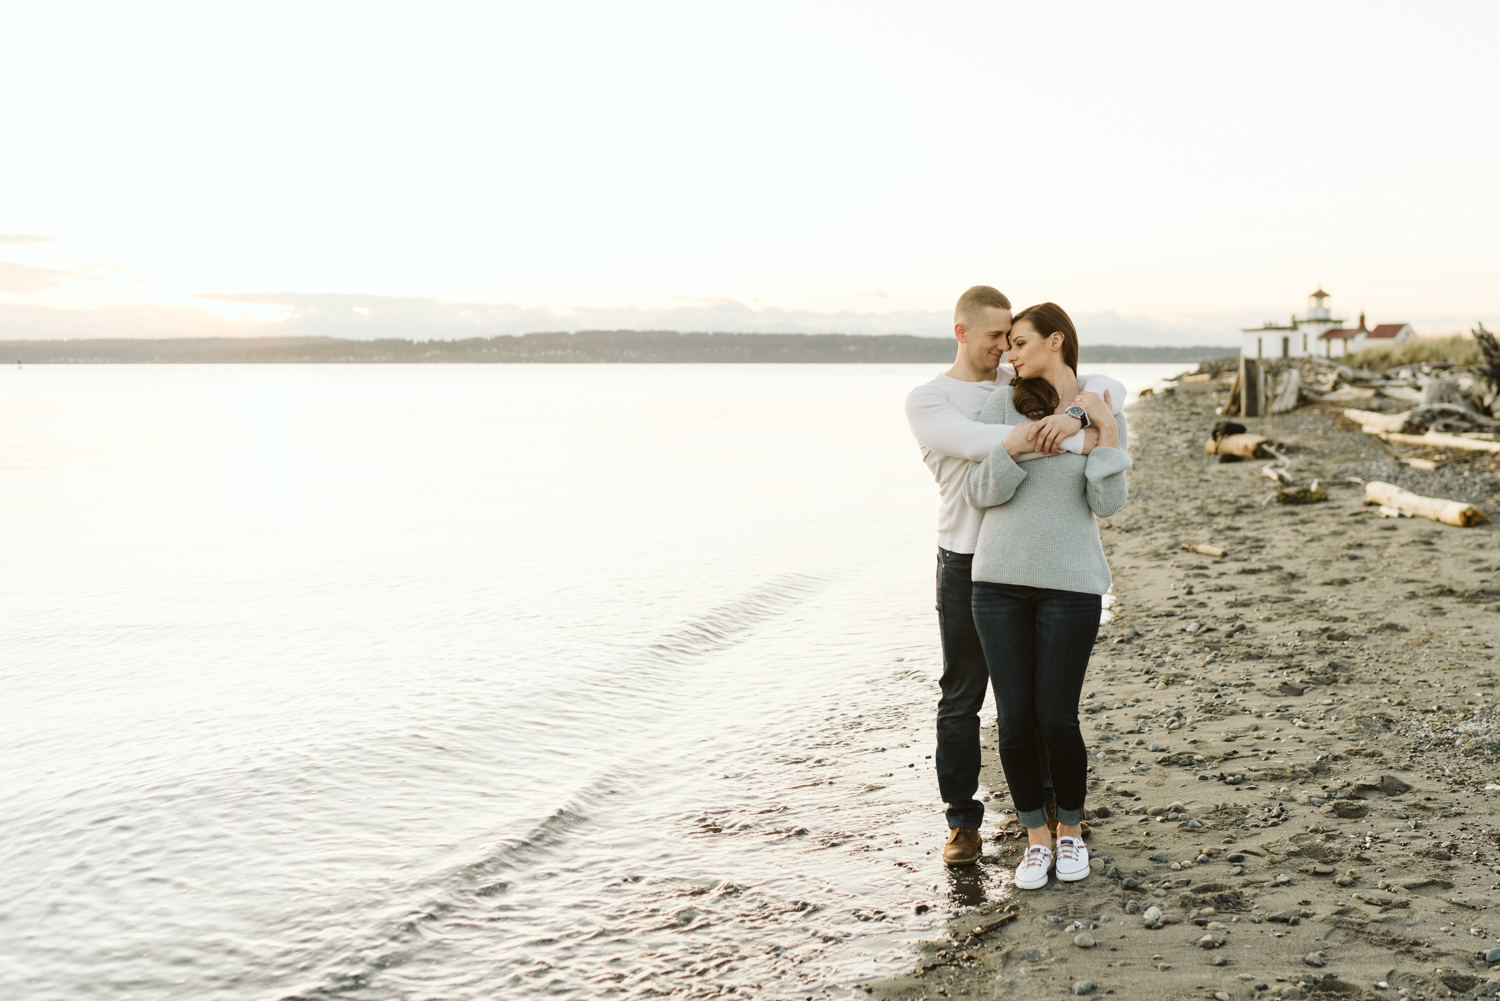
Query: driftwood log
[
  {"x": 1205, "y": 550},
  {"x": 1374, "y": 423},
  {"x": 1443, "y": 418},
  {"x": 1385, "y": 447},
  {"x": 1388, "y": 495},
  {"x": 1440, "y": 440},
  {"x": 1246, "y": 446}
]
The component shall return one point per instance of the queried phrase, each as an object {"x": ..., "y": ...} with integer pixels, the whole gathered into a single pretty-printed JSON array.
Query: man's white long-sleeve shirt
[{"x": 943, "y": 415}]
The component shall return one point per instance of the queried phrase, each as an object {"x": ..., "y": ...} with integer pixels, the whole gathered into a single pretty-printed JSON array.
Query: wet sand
[{"x": 1290, "y": 746}]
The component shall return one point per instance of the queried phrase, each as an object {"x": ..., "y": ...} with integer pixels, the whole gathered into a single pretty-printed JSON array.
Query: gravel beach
[{"x": 1295, "y": 748}]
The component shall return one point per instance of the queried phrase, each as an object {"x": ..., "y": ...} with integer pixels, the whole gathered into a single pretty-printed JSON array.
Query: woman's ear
[{"x": 1055, "y": 342}]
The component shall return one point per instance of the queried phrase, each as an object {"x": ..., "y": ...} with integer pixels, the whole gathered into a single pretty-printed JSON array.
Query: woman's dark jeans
[
  {"x": 1037, "y": 642},
  {"x": 965, "y": 678}
]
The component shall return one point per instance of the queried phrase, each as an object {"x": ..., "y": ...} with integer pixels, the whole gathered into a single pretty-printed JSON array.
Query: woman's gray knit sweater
[{"x": 1039, "y": 527}]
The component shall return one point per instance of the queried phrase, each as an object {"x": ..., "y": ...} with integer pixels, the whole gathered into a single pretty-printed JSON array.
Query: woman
[{"x": 1039, "y": 571}]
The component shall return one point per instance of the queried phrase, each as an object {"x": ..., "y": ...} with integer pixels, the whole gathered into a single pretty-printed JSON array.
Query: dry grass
[{"x": 1459, "y": 349}]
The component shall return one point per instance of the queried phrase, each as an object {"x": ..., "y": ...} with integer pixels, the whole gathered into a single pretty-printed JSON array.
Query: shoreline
[{"x": 1289, "y": 745}]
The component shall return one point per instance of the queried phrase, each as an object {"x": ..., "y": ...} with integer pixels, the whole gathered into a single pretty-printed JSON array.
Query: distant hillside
[
  {"x": 590, "y": 346},
  {"x": 1108, "y": 353}
]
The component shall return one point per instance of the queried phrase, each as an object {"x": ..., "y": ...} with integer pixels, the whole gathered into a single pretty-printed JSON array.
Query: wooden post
[{"x": 1251, "y": 397}]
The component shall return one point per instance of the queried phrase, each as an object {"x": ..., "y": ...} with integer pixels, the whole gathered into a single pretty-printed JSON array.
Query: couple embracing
[{"x": 1025, "y": 454}]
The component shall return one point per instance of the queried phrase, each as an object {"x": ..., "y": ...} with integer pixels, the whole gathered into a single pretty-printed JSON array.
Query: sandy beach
[{"x": 1294, "y": 747}]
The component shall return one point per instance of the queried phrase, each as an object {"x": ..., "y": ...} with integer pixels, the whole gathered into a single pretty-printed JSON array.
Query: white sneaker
[
  {"x": 1072, "y": 859},
  {"x": 1031, "y": 874}
]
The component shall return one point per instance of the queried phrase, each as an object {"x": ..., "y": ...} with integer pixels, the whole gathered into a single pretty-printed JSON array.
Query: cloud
[
  {"x": 18, "y": 239},
  {"x": 23, "y": 279},
  {"x": 26, "y": 321}
]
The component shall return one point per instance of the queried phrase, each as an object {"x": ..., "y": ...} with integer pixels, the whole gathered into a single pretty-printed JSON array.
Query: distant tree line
[{"x": 588, "y": 346}]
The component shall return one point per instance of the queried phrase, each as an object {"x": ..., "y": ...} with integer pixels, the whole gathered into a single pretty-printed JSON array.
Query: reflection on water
[{"x": 465, "y": 681}]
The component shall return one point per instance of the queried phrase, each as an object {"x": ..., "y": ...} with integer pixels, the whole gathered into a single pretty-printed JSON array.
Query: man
[{"x": 942, "y": 414}]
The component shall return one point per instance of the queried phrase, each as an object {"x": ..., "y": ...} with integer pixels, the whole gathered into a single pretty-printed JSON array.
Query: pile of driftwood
[
  {"x": 1443, "y": 405},
  {"x": 1436, "y": 404},
  {"x": 1441, "y": 396}
]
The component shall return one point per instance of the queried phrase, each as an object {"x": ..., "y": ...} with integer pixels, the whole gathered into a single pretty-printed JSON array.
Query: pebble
[
  {"x": 1131, "y": 883},
  {"x": 1209, "y": 942},
  {"x": 1221, "y": 996},
  {"x": 1159, "y": 857},
  {"x": 1315, "y": 959},
  {"x": 1235, "y": 857},
  {"x": 1218, "y": 961},
  {"x": 1152, "y": 915},
  {"x": 1132, "y": 907},
  {"x": 1238, "y": 870},
  {"x": 1493, "y": 956},
  {"x": 1163, "y": 967},
  {"x": 1083, "y": 940},
  {"x": 1291, "y": 992},
  {"x": 1083, "y": 987}
]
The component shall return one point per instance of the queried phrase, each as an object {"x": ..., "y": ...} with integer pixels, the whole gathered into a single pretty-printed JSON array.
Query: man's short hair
[{"x": 977, "y": 299}]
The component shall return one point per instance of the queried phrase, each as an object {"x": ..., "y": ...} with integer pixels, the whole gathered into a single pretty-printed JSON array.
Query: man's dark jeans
[
  {"x": 1037, "y": 642},
  {"x": 965, "y": 678}
]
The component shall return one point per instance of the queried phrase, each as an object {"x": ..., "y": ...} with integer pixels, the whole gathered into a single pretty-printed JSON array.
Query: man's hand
[
  {"x": 1090, "y": 439},
  {"x": 1018, "y": 442},
  {"x": 1048, "y": 434}
]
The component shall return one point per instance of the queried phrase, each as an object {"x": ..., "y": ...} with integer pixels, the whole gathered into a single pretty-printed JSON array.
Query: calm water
[{"x": 411, "y": 682}]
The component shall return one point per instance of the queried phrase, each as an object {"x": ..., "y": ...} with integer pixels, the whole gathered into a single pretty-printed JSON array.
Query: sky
[{"x": 1165, "y": 171}]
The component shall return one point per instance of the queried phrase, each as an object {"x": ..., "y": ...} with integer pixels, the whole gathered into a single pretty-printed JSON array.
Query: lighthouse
[{"x": 1297, "y": 338}]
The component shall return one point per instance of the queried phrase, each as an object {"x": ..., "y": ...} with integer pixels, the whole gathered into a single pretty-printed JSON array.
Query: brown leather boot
[{"x": 963, "y": 846}]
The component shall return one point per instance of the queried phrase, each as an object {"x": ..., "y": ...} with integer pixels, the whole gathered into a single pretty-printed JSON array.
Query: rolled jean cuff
[
  {"x": 1032, "y": 818},
  {"x": 1070, "y": 818}
]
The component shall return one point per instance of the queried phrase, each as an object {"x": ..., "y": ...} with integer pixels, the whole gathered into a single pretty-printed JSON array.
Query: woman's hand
[
  {"x": 1048, "y": 434},
  {"x": 1101, "y": 416},
  {"x": 1018, "y": 442}
]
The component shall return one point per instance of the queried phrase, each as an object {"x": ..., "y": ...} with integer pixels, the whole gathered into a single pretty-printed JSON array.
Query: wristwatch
[{"x": 1083, "y": 415}]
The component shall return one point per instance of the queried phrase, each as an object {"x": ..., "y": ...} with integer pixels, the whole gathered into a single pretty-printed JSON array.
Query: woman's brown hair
[{"x": 1036, "y": 397}]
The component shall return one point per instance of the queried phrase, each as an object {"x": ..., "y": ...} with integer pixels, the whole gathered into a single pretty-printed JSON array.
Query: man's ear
[{"x": 961, "y": 332}]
